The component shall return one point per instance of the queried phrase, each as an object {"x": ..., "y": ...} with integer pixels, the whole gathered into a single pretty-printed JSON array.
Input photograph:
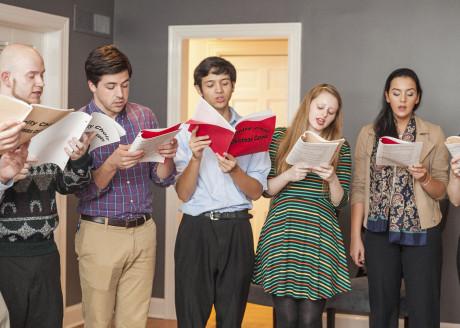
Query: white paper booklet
[
  {"x": 205, "y": 113},
  {"x": 149, "y": 140},
  {"x": 48, "y": 146},
  {"x": 37, "y": 117},
  {"x": 107, "y": 130},
  {"x": 311, "y": 150},
  {"x": 453, "y": 145},
  {"x": 397, "y": 152}
]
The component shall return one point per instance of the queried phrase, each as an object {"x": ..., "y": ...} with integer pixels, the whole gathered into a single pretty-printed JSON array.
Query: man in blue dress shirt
[{"x": 214, "y": 250}]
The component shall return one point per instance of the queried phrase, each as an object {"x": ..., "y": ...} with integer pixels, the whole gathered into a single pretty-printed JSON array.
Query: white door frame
[
  {"x": 55, "y": 46},
  {"x": 55, "y": 52},
  {"x": 177, "y": 34}
]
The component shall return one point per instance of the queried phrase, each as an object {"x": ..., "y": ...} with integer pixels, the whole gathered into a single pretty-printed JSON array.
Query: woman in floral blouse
[{"x": 399, "y": 208}]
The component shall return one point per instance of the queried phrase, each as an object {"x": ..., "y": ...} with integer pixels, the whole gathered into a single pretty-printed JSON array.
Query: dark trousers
[
  {"x": 31, "y": 287},
  {"x": 213, "y": 265},
  {"x": 420, "y": 266}
]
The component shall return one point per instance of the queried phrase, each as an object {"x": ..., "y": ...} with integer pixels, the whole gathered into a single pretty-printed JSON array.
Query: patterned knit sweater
[{"x": 28, "y": 213}]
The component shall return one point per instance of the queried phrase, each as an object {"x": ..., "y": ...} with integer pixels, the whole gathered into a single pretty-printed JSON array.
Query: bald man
[{"x": 29, "y": 260}]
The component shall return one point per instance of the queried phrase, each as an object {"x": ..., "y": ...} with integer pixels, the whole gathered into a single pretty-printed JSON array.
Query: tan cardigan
[{"x": 434, "y": 157}]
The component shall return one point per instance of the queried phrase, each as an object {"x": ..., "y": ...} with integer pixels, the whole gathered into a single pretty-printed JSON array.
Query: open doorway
[
  {"x": 179, "y": 83},
  {"x": 262, "y": 75}
]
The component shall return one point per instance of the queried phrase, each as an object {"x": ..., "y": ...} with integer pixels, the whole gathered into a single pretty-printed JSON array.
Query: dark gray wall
[
  {"x": 353, "y": 44},
  {"x": 80, "y": 44}
]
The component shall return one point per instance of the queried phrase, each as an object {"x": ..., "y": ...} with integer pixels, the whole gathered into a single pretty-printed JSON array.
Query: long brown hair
[{"x": 300, "y": 124}]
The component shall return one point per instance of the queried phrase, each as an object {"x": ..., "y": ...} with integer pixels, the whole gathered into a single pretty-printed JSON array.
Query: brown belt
[{"x": 127, "y": 223}]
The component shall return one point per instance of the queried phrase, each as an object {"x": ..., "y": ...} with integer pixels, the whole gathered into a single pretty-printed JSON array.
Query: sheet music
[
  {"x": 312, "y": 154},
  {"x": 313, "y": 150},
  {"x": 48, "y": 146},
  {"x": 403, "y": 154},
  {"x": 107, "y": 130},
  {"x": 454, "y": 149},
  {"x": 150, "y": 146},
  {"x": 453, "y": 145}
]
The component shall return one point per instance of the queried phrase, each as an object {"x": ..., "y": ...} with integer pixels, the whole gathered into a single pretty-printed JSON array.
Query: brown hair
[
  {"x": 213, "y": 65},
  {"x": 300, "y": 124},
  {"x": 106, "y": 60}
]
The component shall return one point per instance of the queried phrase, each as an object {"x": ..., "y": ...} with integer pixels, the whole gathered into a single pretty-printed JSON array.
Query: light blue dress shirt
[{"x": 215, "y": 190}]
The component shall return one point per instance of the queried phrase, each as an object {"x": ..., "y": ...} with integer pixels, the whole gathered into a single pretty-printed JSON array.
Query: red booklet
[
  {"x": 152, "y": 133},
  {"x": 391, "y": 141},
  {"x": 251, "y": 134}
]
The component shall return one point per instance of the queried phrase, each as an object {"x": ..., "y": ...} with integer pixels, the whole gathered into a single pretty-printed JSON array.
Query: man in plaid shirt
[{"x": 116, "y": 239}]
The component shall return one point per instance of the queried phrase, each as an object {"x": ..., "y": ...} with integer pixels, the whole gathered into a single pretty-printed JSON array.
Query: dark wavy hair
[
  {"x": 385, "y": 124},
  {"x": 213, "y": 65}
]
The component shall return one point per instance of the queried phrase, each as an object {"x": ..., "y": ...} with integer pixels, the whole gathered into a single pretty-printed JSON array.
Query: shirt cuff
[
  {"x": 169, "y": 180},
  {"x": 7, "y": 185},
  {"x": 261, "y": 178},
  {"x": 83, "y": 163}
]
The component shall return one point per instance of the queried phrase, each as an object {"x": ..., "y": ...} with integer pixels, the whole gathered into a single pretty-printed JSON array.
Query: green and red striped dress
[{"x": 301, "y": 252}]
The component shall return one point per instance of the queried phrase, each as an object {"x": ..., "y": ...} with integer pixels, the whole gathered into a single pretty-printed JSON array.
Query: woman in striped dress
[{"x": 300, "y": 257}]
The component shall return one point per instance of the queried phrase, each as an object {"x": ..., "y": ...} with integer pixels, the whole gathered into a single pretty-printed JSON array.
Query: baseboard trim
[
  {"x": 157, "y": 308},
  {"x": 73, "y": 316},
  {"x": 358, "y": 321}
]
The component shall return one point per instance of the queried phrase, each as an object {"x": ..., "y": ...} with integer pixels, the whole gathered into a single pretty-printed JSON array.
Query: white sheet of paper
[
  {"x": 454, "y": 149},
  {"x": 402, "y": 154},
  {"x": 311, "y": 154},
  {"x": 205, "y": 113},
  {"x": 48, "y": 146},
  {"x": 107, "y": 130},
  {"x": 313, "y": 150},
  {"x": 150, "y": 146}
]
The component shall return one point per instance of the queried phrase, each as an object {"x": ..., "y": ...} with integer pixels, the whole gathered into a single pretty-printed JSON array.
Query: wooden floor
[{"x": 256, "y": 316}]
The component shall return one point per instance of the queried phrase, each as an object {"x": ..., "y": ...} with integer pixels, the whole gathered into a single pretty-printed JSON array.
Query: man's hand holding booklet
[
  {"x": 149, "y": 140},
  {"x": 251, "y": 134},
  {"x": 48, "y": 146}
]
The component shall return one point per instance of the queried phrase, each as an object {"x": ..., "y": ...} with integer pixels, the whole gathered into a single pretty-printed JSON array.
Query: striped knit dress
[{"x": 301, "y": 252}]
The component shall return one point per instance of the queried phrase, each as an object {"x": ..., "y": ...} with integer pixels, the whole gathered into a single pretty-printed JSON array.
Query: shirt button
[
  {"x": 128, "y": 182},
  {"x": 131, "y": 201}
]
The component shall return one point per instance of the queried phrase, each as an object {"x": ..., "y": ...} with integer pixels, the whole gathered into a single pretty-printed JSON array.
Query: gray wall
[
  {"x": 79, "y": 46},
  {"x": 353, "y": 44}
]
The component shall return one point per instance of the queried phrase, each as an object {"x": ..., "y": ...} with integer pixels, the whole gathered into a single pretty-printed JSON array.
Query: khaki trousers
[
  {"x": 116, "y": 267},
  {"x": 4, "y": 318}
]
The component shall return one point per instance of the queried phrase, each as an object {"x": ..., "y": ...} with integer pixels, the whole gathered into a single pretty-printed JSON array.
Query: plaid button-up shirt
[{"x": 129, "y": 194}]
